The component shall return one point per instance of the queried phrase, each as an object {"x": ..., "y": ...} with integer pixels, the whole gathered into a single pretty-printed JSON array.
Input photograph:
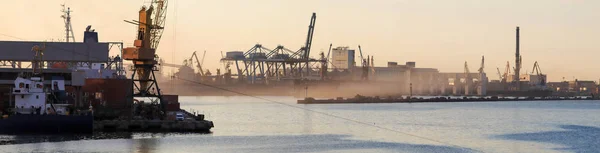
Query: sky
[{"x": 560, "y": 34}]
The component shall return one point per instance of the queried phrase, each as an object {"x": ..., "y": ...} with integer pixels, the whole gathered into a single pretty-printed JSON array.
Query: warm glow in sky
[{"x": 562, "y": 35}]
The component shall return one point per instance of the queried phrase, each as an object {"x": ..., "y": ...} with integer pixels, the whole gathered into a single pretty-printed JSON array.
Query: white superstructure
[{"x": 31, "y": 96}]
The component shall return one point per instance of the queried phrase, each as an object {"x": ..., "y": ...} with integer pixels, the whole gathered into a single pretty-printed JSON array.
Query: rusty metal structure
[{"x": 143, "y": 54}]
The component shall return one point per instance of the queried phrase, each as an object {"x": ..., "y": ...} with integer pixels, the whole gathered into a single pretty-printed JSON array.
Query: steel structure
[
  {"x": 15, "y": 54},
  {"x": 260, "y": 64},
  {"x": 143, "y": 55},
  {"x": 69, "y": 54},
  {"x": 68, "y": 28}
]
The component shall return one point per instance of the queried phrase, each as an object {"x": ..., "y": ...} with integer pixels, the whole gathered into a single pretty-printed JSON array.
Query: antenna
[{"x": 68, "y": 28}]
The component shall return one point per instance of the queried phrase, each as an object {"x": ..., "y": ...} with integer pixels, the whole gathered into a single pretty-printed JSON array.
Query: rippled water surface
[{"x": 246, "y": 124}]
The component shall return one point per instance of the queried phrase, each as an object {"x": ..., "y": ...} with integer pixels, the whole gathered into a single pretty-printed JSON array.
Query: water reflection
[
  {"x": 146, "y": 145},
  {"x": 307, "y": 122},
  {"x": 23, "y": 139},
  {"x": 575, "y": 137},
  {"x": 233, "y": 144},
  {"x": 317, "y": 143}
]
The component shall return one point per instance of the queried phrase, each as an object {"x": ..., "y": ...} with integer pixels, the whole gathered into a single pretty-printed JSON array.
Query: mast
[{"x": 68, "y": 28}]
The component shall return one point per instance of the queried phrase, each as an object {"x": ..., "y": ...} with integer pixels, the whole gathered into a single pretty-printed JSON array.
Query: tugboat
[{"x": 39, "y": 109}]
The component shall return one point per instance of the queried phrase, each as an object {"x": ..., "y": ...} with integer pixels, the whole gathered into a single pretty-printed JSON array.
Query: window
[
  {"x": 37, "y": 96},
  {"x": 98, "y": 95}
]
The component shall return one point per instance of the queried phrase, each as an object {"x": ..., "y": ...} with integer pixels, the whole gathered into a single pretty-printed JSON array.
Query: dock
[
  {"x": 153, "y": 125},
  {"x": 363, "y": 99}
]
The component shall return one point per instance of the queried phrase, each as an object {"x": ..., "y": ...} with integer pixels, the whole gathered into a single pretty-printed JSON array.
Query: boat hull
[{"x": 28, "y": 124}]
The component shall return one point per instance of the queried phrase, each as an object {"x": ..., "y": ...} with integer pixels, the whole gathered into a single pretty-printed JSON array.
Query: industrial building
[
  {"x": 427, "y": 81},
  {"x": 342, "y": 58},
  {"x": 574, "y": 88},
  {"x": 78, "y": 63}
]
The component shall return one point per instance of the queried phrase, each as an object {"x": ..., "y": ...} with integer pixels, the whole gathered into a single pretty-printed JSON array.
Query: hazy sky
[{"x": 562, "y": 35}]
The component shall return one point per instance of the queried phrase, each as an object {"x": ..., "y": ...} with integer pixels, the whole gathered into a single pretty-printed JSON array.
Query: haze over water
[
  {"x": 560, "y": 34},
  {"x": 246, "y": 124}
]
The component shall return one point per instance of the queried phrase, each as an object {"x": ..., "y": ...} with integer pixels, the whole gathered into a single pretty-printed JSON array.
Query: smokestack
[{"x": 517, "y": 63}]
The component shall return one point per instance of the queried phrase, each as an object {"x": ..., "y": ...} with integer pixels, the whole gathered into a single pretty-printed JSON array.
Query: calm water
[{"x": 245, "y": 124}]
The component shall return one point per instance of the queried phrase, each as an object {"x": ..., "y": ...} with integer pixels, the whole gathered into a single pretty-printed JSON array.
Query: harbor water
[{"x": 247, "y": 124}]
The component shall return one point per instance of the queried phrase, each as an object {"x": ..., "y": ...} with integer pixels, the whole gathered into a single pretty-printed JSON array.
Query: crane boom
[
  {"x": 203, "y": 55},
  {"x": 171, "y": 65},
  {"x": 499, "y": 74},
  {"x": 361, "y": 56},
  {"x": 309, "y": 37},
  {"x": 199, "y": 66},
  {"x": 159, "y": 21},
  {"x": 329, "y": 51},
  {"x": 482, "y": 65},
  {"x": 536, "y": 68}
]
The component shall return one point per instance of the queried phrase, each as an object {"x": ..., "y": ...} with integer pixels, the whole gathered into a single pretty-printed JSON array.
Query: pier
[
  {"x": 376, "y": 99},
  {"x": 153, "y": 125}
]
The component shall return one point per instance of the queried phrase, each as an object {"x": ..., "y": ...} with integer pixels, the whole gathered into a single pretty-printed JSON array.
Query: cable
[
  {"x": 11, "y": 36},
  {"x": 326, "y": 114}
]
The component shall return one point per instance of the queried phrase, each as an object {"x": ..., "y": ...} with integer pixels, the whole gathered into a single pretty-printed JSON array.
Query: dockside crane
[
  {"x": 198, "y": 62},
  {"x": 309, "y": 37},
  {"x": 506, "y": 72},
  {"x": 482, "y": 66},
  {"x": 481, "y": 85},
  {"x": 540, "y": 75},
  {"x": 536, "y": 69},
  {"x": 362, "y": 59},
  {"x": 329, "y": 52},
  {"x": 364, "y": 64},
  {"x": 150, "y": 24},
  {"x": 499, "y": 74}
]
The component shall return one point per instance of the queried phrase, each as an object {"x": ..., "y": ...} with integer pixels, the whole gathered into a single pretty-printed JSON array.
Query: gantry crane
[{"x": 143, "y": 55}]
